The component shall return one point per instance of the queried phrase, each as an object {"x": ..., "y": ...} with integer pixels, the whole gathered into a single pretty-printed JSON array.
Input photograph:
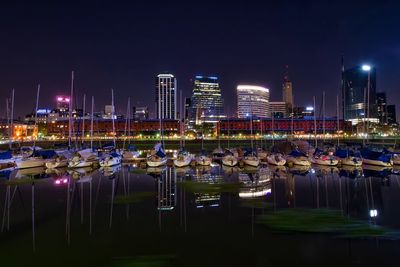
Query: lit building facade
[
  {"x": 62, "y": 103},
  {"x": 287, "y": 92},
  {"x": 252, "y": 101},
  {"x": 391, "y": 114},
  {"x": 303, "y": 112},
  {"x": 207, "y": 103},
  {"x": 381, "y": 107},
  {"x": 166, "y": 93},
  {"x": 278, "y": 109},
  {"x": 355, "y": 94},
  {"x": 140, "y": 113}
]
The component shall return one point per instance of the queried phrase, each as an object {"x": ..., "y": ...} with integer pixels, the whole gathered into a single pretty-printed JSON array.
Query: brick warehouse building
[
  {"x": 304, "y": 126},
  {"x": 103, "y": 127}
]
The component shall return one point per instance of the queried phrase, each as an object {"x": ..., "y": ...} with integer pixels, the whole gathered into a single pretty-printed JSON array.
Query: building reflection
[
  {"x": 166, "y": 190},
  {"x": 209, "y": 176},
  {"x": 255, "y": 185}
]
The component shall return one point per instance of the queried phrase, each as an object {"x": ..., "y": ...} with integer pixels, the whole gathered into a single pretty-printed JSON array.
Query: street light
[{"x": 366, "y": 68}]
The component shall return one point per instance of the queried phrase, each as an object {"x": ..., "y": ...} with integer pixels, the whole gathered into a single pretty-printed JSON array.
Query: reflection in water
[
  {"x": 255, "y": 185},
  {"x": 370, "y": 195},
  {"x": 208, "y": 175},
  {"x": 166, "y": 190}
]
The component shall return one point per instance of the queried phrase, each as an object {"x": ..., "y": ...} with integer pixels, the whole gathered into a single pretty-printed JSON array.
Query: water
[{"x": 125, "y": 216}]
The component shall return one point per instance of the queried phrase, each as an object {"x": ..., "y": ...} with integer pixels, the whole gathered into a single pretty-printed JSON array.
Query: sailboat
[
  {"x": 59, "y": 161},
  {"x": 298, "y": 158},
  {"x": 83, "y": 158},
  {"x": 203, "y": 159},
  {"x": 348, "y": 157},
  {"x": 276, "y": 159},
  {"x": 250, "y": 157},
  {"x": 131, "y": 152},
  {"x": 229, "y": 159},
  {"x": 183, "y": 158},
  {"x": 113, "y": 158},
  {"x": 33, "y": 159},
  {"x": 326, "y": 159},
  {"x": 158, "y": 158},
  {"x": 377, "y": 158}
]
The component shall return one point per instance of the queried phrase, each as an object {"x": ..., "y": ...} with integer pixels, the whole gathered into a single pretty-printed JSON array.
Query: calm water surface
[{"x": 126, "y": 216}]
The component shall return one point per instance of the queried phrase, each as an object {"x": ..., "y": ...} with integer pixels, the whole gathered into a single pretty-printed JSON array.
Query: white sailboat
[
  {"x": 158, "y": 157},
  {"x": 251, "y": 158},
  {"x": 276, "y": 159},
  {"x": 203, "y": 159},
  {"x": 58, "y": 162},
  {"x": 229, "y": 160},
  {"x": 83, "y": 158},
  {"x": 114, "y": 158},
  {"x": 183, "y": 158},
  {"x": 130, "y": 153},
  {"x": 32, "y": 160}
]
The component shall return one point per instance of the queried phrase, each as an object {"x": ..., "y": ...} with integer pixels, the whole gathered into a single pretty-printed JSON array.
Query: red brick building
[
  {"x": 306, "y": 126},
  {"x": 103, "y": 127}
]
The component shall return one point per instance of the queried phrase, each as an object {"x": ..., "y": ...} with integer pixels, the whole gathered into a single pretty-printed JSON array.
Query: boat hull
[
  {"x": 325, "y": 162},
  {"x": 80, "y": 164},
  {"x": 274, "y": 161},
  {"x": 156, "y": 163},
  {"x": 110, "y": 162},
  {"x": 351, "y": 162},
  {"x": 298, "y": 161},
  {"x": 29, "y": 163},
  {"x": 229, "y": 161},
  {"x": 182, "y": 162},
  {"x": 203, "y": 161},
  {"x": 252, "y": 162},
  {"x": 57, "y": 164},
  {"x": 377, "y": 163}
]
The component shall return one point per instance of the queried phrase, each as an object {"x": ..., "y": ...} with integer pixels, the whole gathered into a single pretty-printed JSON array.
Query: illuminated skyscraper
[
  {"x": 166, "y": 96},
  {"x": 207, "y": 103},
  {"x": 355, "y": 94},
  {"x": 252, "y": 101}
]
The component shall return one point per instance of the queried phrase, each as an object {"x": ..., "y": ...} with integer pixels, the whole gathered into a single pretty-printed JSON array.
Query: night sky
[{"x": 124, "y": 44}]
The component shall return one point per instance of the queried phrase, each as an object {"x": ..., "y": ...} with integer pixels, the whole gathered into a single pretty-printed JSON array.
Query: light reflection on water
[{"x": 51, "y": 206}]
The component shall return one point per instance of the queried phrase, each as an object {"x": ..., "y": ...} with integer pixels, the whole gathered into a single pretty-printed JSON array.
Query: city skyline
[{"x": 118, "y": 48}]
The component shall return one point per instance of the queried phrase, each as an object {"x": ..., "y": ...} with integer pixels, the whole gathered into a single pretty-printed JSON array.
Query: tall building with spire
[{"x": 287, "y": 92}]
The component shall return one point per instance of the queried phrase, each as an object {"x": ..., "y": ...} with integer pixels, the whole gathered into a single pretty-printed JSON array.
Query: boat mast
[
  {"x": 10, "y": 137},
  {"x": 91, "y": 124},
  {"x": 229, "y": 132},
  {"x": 126, "y": 121},
  {"x": 112, "y": 118},
  {"x": 323, "y": 115},
  {"x": 273, "y": 129},
  {"x": 315, "y": 124},
  {"x": 83, "y": 118},
  {"x": 71, "y": 97},
  {"x": 337, "y": 119},
  {"x": 37, "y": 106},
  {"x": 180, "y": 120}
]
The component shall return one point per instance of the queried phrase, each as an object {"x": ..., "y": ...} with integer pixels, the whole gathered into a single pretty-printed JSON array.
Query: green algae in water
[{"x": 320, "y": 221}]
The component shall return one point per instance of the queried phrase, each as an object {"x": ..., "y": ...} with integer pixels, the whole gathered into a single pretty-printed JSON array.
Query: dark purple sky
[{"x": 122, "y": 44}]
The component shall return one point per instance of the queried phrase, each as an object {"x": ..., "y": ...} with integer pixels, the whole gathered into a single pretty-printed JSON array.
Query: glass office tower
[
  {"x": 355, "y": 94},
  {"x": 207, "y": 104}
]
